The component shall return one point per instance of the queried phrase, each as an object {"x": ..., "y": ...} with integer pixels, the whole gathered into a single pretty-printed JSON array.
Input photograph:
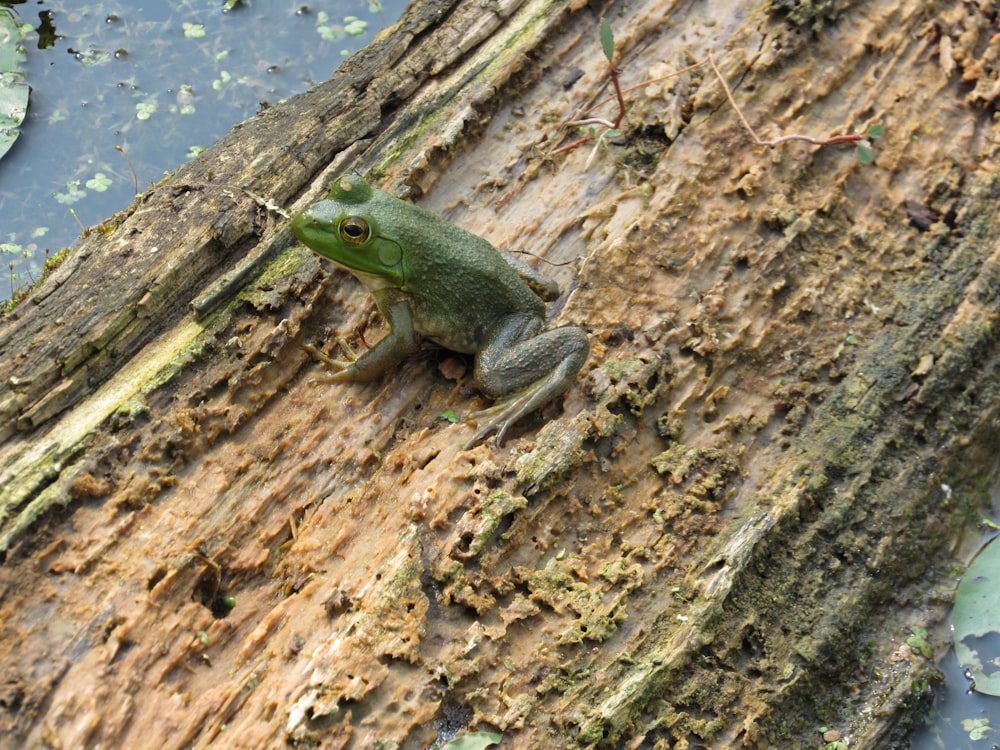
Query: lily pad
[
  {"x": 975, "y": 620},
  {"x": 13, "y": 90}
]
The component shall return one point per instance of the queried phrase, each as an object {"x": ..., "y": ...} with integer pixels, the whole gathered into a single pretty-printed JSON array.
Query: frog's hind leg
[{"x": 534, "y": 366}]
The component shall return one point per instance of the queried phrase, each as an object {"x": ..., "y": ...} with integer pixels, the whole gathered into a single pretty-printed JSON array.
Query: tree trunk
[{"x": 719, "y": 539}]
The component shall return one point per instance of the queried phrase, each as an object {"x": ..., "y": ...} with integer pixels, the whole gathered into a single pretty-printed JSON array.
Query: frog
[{"x": 431, "y": 279}]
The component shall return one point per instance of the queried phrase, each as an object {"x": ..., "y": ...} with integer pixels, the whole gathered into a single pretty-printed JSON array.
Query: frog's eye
[{"x": 355, "y": 231}]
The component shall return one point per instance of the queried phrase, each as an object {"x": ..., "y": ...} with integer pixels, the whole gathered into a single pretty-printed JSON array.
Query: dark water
[
  {"x": 962, "y": 719},
  {"x": 957, "y": 714},
  {"x": 161, "y": 80}
]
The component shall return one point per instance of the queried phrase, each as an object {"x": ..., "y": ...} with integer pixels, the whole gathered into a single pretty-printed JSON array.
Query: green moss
[
  {"x": 638, "y": 382},
  {"x": 558, "y": 586},
  {"x": 23, "y": 292},
  {"x": 558, "y": 451},
  {"x": 495, "y": 507},
  {"x": 709, "y": 469},
  {"x": 259, "y": 294}
]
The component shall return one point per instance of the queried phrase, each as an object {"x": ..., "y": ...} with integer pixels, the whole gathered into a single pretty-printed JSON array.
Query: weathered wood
[{"x": 720, "y": 540}]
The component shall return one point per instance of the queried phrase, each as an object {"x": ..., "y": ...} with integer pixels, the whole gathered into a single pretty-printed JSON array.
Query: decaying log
[{"x": 720, "y": 538}]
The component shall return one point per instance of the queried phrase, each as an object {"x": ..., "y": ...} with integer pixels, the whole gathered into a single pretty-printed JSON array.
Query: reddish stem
[
  {"x": 618, "y": 93},
  {"x": 849, "y": 138},
  {"x": 574, "y": 144}
]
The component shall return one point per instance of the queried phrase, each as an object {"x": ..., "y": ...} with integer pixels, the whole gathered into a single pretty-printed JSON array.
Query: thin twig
[
  {"x": 73, "y": 214},
  {"x": 850, "y": 138},
  {"x": 27, "y": 268},
  {"x": 135, "y": 177},
  {"x": 575, "y": 144},
  {"x": 629, "y": 90},
  {"x": 593, "y": 121},
  {"x": 620, "y": 96},
  {"x": 599, "y": 120},
  {"x": 732, "y": 101},
  {"x": 643, "y": 84}
]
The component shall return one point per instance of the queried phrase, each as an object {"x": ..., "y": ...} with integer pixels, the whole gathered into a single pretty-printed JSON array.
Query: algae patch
[{"x": 31, "y": 483}]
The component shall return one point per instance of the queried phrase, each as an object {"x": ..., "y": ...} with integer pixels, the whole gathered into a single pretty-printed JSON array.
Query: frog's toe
[
  {"x": 476, "y": 439},
  {"x": 500, "y": 417},
  {"x": 489, "y": 418},
  {"x": 498, "y": 426},
  {"x": 338, "y": 364}
]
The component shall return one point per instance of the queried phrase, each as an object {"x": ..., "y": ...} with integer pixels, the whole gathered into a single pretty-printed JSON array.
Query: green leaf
[
  {"x": 99, "y": 182},
  {"x": 11, "y": 51},
  {"x": 919, "y": 645},
  {"x": 977, "y": 728},
  {"x": 976, "y": 620},
  {"x": 193, "y": 30},
  {"x": 875, "y": 131},
  {"x": 72, "y": 195},
  {"x": 354, "y": 25},
  {"x": 864, "y": 152},
  {"x": 13, "y": 90},
  {"x": 607, "y": 39},
  {"x": 474, "y": 741},
  {"x": 144, "y": 110}
]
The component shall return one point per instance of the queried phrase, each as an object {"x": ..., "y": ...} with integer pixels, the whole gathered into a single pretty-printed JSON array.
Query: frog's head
[{"x": 344, "y": 229}]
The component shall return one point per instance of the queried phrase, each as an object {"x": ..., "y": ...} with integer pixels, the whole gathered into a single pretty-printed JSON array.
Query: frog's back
[{"x": 459, "y": 284}]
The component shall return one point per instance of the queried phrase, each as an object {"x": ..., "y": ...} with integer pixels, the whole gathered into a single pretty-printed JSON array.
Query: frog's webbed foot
[
  {"x": 498, "y": 420},
  {"x": 526, "y": 368},
  {"x": 522, "y": 403},
  {"x": 338, "y": 365}
]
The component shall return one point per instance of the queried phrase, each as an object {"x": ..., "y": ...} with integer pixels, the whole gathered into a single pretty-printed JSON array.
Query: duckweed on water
[{"x": 162, "y": 81}]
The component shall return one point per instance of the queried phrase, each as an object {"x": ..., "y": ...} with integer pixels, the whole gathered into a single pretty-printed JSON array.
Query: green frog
[{"x": 431, "y": 279}]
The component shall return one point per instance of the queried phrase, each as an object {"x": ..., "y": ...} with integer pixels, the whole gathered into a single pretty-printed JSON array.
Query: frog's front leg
[
  {"x": 536, "y": 366},
  {"x": 393, "y": 348}
]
